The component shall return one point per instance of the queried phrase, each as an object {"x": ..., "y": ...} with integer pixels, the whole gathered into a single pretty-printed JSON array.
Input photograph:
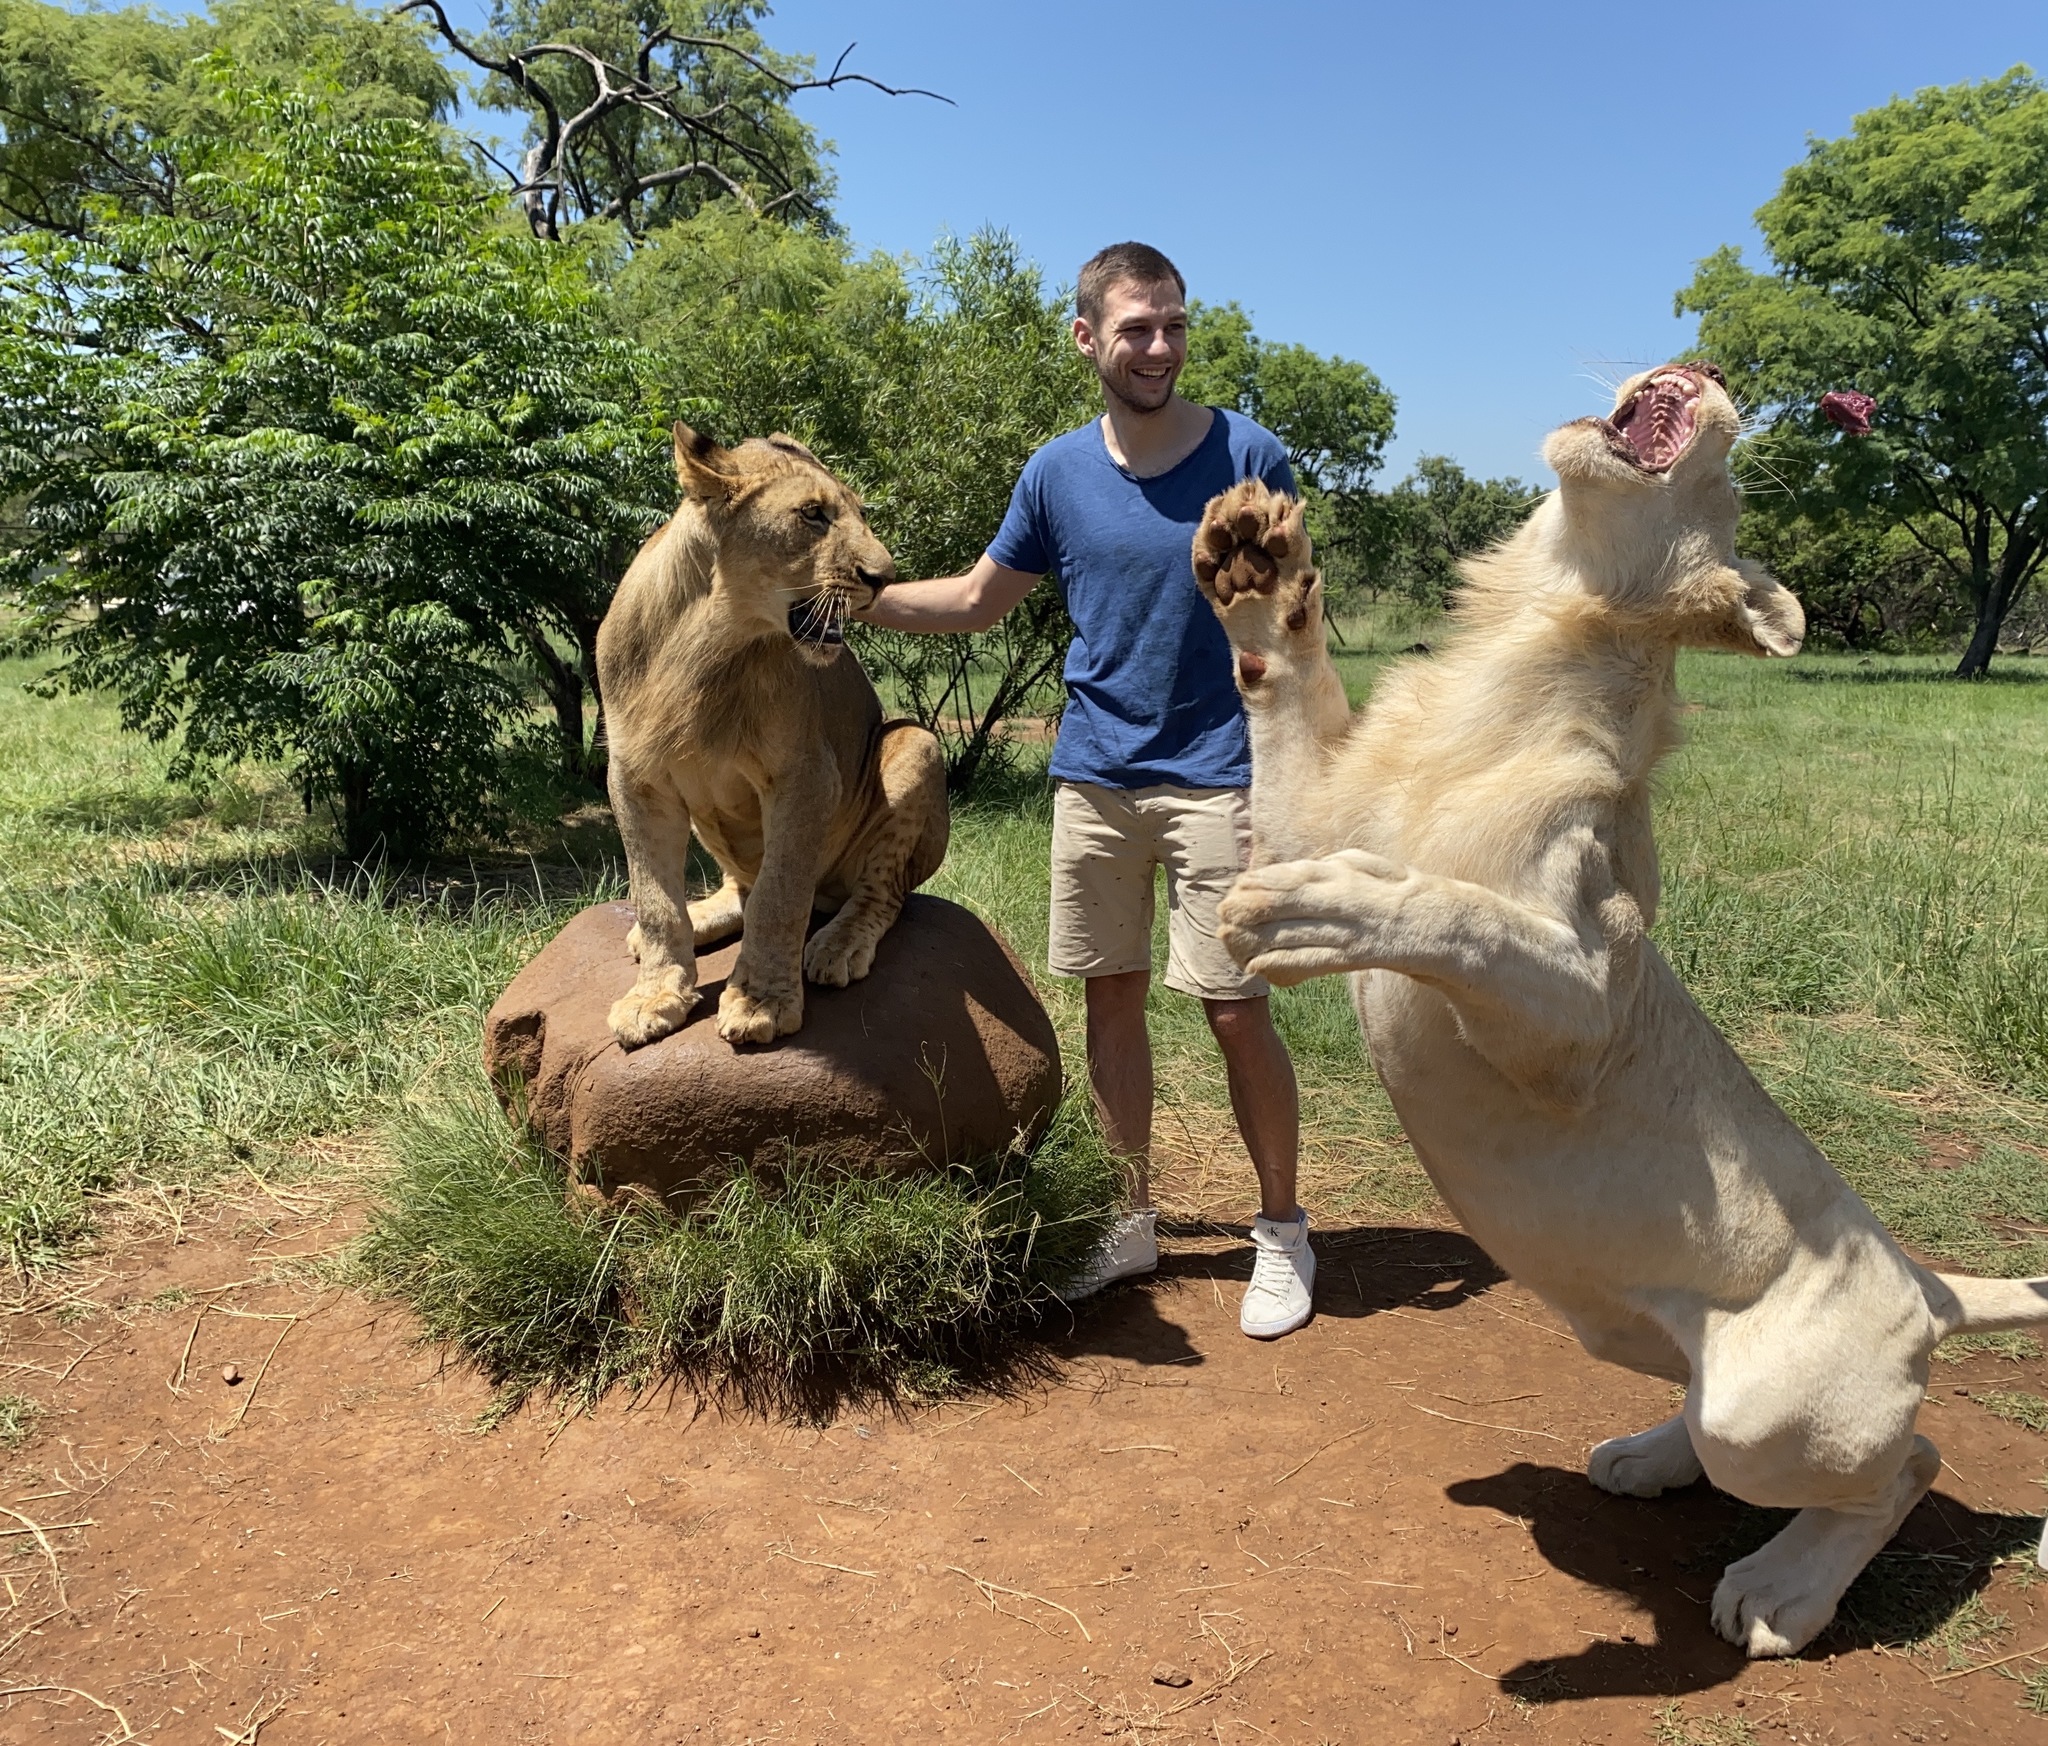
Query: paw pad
[{"x": 1246, "y": 535}]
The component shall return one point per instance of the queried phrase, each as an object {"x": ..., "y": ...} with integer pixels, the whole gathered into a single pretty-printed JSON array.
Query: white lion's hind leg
[
  {"x": 1647, "y": 1464},
  {"x": 1779, "y": 1598}
]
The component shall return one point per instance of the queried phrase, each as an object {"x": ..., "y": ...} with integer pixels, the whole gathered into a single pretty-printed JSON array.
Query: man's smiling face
[{"x": 1140, "y": 343}]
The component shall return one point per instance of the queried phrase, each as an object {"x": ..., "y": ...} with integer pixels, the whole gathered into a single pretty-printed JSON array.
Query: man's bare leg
[
  {"x": 1263, "y": 1097},
  {"x": 1120, "y": 1072}
]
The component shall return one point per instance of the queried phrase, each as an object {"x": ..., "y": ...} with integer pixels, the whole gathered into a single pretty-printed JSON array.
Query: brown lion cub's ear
[{"x": 703, "y": 469}]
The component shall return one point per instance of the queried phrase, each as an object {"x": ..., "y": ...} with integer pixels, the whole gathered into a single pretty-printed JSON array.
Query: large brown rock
[{"x": 941, "y": 1053}]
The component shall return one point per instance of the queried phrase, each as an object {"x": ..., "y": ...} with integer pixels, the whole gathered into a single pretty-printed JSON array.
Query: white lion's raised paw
[
  {"x": 1296, "y": 919},
  {"x": 1647, "y": 1464},
  {"x": 646, "y": 1013},
  {"x": 1251, "y": 542},
  {"x": 1253, "y": 562},
  {"x": 746, "y": 1018}
]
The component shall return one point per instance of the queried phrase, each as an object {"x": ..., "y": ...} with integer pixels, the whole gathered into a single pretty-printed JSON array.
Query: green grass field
[{"x": 192, "y": 989}]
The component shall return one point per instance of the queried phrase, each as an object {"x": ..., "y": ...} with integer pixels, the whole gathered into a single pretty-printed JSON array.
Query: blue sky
[{"x": 1491, "y": 204}]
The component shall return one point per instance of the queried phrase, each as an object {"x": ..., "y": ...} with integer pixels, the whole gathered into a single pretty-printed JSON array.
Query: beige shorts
[{"x": 1106, "y": 843}]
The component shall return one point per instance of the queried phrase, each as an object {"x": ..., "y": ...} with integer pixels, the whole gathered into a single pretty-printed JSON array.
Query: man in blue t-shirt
[{"x": 1153, "y": 760}]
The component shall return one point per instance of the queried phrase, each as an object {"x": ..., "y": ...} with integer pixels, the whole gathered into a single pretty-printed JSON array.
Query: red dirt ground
[{"x": 1375, "y": 1531}]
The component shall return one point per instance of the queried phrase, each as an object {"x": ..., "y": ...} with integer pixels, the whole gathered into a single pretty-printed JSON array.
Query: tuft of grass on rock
[
  {"x": 18, "y": 1416},
  {"x": 793, "y": 1289}
]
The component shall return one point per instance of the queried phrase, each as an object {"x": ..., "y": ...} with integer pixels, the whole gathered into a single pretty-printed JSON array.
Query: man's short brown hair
[{"x": 1124, "y": 263}]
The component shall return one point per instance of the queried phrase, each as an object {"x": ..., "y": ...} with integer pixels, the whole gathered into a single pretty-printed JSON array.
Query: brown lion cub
[{"x": 735, "y": 709}]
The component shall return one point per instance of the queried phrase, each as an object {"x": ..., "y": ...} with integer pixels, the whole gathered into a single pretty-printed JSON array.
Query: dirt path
[{"x": 1375, "y": 1531}]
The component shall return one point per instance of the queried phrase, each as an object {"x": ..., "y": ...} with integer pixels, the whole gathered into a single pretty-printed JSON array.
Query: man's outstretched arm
[{"x": 950, "y": 603}]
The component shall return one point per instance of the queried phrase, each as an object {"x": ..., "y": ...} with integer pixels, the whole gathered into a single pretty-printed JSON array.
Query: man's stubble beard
[{"x": 1112, "y": 392}]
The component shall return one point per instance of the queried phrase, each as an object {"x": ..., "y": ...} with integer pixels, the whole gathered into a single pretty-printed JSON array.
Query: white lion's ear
[
  {"x": 703, "y": 469},
  {"x": 1768, "y": 619}
]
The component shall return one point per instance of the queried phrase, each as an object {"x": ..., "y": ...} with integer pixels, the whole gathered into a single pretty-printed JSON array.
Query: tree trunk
[
  {"x": 564, "y": 688},
  {"x": 1994, "y": 601},
  {"x": 599, "y": 754}
]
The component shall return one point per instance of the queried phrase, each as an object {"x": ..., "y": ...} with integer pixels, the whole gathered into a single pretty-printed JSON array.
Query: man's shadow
[
  {"x": 1667, "y": 1553},
  {"x": 1360, "y": 1272}
]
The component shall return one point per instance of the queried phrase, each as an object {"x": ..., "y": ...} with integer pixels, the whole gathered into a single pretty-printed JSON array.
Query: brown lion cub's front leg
[
  {"x": 764, "y": 996},
  {"x": 656, "y": 830},
  {"x": 902, "y": 849},
  {"x": 1253, "y": 560}
]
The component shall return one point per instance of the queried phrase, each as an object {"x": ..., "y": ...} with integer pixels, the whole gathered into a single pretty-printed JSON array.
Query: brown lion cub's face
[{"x": 795, "y": 553}]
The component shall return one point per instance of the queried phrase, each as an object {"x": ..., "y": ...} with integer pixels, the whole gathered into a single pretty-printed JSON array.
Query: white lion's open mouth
[
  {"x": 1655, "y": 425},
  {"x": 820, "y": 620}
]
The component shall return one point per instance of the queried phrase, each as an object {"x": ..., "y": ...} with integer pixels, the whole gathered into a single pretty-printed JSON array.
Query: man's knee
[
  {"x": 1240, "y": 1021},
  {"x": 1117, "y": 996}
]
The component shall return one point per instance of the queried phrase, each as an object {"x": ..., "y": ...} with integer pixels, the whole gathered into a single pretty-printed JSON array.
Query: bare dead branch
[
  {"x": 549, "y": 171},
  {"x": 618, "y": 207}
]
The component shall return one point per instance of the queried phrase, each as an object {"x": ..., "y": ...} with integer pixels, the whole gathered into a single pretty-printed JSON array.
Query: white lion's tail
[{"x": 1980, "y": 1306}]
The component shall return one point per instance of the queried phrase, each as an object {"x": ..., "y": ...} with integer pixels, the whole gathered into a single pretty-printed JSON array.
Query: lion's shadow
[{"x": 1666, "y": 1554}]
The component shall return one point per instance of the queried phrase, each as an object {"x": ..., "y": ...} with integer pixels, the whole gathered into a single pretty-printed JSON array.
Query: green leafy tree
[
  {"x": 1866, "y": 583},
  {"x": 1436, "y": 518},
  {"x": 927, "y": 392},
  {"x": 1332, "y": 415},
  {"x": 1909, "y": 261},
  {"x": 301, "y": 468},
  {"x": 986, "y": 371},
  {"x": 90, "y": 99},
  {"x": 752, "y": 326}
]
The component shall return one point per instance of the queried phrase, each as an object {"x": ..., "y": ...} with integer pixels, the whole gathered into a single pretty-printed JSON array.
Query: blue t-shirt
[{"x": 1151, "y": 696}]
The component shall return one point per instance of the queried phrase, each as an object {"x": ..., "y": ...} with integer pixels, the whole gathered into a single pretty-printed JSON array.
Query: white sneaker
[
  {"x": 1281, "y": 1293},
  {"x": 1131, "y": 1248}
]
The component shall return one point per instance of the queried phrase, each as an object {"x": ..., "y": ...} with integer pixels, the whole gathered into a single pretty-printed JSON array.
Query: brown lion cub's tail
[{"x": 1982, "y": 1306}]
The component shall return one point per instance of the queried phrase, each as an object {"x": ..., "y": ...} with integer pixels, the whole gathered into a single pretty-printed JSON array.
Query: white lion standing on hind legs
[{"x": 1476, "y": 849}]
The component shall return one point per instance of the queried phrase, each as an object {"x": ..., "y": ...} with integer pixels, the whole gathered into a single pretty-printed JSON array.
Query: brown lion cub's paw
[
  {"x": 747, "y": 1018},
  {"x": 837, "y": 955},
  {"x": 647, "y": 1012}
]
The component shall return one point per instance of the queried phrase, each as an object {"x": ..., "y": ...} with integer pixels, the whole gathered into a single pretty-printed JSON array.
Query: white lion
[{"x": 1476, "y": 847}]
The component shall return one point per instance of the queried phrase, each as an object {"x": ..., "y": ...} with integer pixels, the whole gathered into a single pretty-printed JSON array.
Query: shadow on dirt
[
  {"x": 1666, "y": 1554},
  {"x": 1363, "y": 1272}
]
